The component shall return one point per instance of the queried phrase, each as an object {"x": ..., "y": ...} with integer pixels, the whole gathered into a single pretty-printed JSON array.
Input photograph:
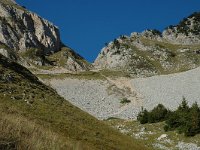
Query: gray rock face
[
  {"x": 152, "y": 52},
  {"x": 172, "y": 36},
  {"x": 21, "y": 29}
]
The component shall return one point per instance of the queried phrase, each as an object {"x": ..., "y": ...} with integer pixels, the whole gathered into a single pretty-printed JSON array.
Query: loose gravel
[
  {"x": 100, "y": 100},
  {"x": 93, "y": 97},
  {"x": 169, "y": 90}
]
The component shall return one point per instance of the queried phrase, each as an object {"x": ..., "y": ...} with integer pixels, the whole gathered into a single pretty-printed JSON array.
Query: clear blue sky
[{"x": 86, "y": 25}]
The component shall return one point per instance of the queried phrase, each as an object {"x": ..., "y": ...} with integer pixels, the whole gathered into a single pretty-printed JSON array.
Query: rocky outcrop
[
  {"x": 30, "y": 40},
  {"x": 21, "y": 30},
  {"x": 187, "y": 32},
  {"x": 152, "y": 52}
]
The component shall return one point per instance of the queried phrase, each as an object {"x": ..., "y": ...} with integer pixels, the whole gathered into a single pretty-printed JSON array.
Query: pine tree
[
  {"x": 193, "y": 124},
  {"x": 183, "y": 106},
  {"x": 158, "y": 114},
  {"x": 143, "y": 116}
]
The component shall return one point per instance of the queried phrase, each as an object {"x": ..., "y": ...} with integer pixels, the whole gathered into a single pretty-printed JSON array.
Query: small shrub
[
  {"x": 124, "y": 101},
  {"x": 123, "y": 37},
  {"x": 116, "y": 44}
]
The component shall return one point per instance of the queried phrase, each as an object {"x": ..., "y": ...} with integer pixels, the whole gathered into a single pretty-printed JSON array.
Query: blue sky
[{"x": 86, "y": 25}]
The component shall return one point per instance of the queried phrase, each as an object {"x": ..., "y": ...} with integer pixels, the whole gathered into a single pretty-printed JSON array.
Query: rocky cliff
[
  {"x": 187, "y": 32},
  {"x": 24, "y": 33},
  {"x": 151, "y": 52}
]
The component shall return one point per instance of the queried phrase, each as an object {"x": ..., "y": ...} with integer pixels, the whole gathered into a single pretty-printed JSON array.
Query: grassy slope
[
  {"x": 87, "y": 75},
  {"x": 180, "y": 60},
  {"x": 47, "y": 121}
]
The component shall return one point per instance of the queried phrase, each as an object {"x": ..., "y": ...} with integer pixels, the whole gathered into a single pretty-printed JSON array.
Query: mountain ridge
[{"x": 153, "y": 52}]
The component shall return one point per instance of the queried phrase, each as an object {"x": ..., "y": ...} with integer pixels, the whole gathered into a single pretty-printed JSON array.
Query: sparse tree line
[{"x": 184, "y": 119}]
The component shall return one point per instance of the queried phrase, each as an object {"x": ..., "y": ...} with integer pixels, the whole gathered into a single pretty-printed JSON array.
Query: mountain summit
[{"x": 151, "y": 52}]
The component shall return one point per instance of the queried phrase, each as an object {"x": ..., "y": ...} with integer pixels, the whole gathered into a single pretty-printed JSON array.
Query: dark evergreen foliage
[
  {"x": 116, "y": 44},
  {"x": 158, "y": 114},
  {"x": 184, "y": 120}
]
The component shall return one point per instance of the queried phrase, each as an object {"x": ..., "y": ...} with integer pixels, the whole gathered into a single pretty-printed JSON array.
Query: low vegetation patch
[{"x": 124, "y": 101}]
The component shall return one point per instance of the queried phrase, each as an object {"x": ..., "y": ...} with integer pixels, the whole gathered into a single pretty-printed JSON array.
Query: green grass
[
  {"x": 38, "y": 118},
  {"x": 114, "y": 73},
  {"x": 87, "y": 75}
]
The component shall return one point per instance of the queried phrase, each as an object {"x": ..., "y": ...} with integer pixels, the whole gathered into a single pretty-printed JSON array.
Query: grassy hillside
[{"x": 33, "y": 116}]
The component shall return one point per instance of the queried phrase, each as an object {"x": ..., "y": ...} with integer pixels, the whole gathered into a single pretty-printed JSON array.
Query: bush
[
  {"x": 124, "y": 101},
  {"x": 116, "y": 44}
]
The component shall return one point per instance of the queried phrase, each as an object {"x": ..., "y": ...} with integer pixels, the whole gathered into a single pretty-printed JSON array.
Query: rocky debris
[
  {"x": 169, "y": 89},
  {"x": 152, "y": 52},
  {"x": 160, "y": 146},
  {"x": 101, "y": 98},
  {"x": 187, "y": 146},
  {"x": 163, "y": 136},
  {"x": 93, "y": 96}
]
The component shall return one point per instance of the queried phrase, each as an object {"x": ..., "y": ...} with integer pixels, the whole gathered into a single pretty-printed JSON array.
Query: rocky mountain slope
[
  {"x": 102, "y": 95},
  {"x": 30, "y": 40},
  {"x": 34, "y": 116},
  {"x": 99, "y": 95},
  {"x": 151, "y": 52}
]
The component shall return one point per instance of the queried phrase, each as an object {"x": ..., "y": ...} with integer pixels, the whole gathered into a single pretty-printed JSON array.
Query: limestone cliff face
[
  {"x": 30, "y": 40},
  {"x": 152, "y": 52},
  {"x": 21, "y": 29}
]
